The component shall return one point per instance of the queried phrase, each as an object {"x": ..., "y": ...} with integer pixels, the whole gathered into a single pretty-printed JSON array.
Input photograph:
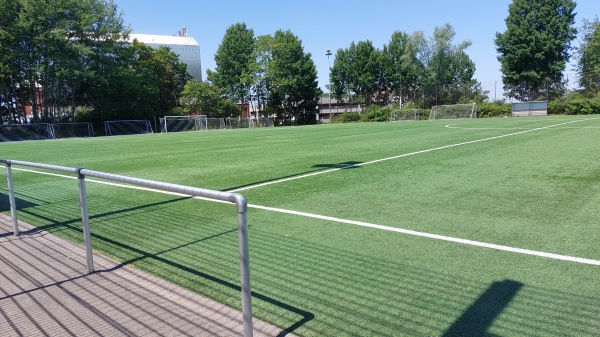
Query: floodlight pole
[{"x": 328, "y": 53}]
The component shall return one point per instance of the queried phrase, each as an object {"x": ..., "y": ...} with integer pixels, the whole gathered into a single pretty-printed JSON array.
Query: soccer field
[{"x": 484, "y": 227}]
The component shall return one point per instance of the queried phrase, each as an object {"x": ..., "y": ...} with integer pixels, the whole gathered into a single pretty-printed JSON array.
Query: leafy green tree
[
  {"x": 535, "y": 48},
  {"x": 356, "y": 69},
  {"x": 143, "y": 83},
  {"x": 262, "y": 84},
  {"x": 235, "y": 63},
  {"x": 408, "y": 65},
  {"x": 47, "y": 48},
  {"x": 403, "y": 67},
  {"x": 588, "y": 65},
  {"x": 292, "y": 77},
  {"x": 447, "y": 71},
  {"x": 205, "y": 98}
]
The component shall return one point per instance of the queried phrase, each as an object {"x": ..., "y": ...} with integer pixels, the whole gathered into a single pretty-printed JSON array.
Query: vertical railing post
[
  {"x": 11, "y": 198},
  {"x": 242, "y": 210},
  {"x": 87, "y": 238}
]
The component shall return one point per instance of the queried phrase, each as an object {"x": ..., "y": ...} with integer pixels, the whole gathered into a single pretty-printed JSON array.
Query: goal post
[
  {"x": 405, "y": 115},
  {"x": 239, "y": 123},
  {"x": 183, "y": 123},
  {"x": 215, "y": 123},
  {"x": 127, "y": 127},
  {"x": 455, "y": 111},
  {"x": 18, "y": 132},
  {"x": 262, "y": 122},
  {"x": 67, "y": 130}
]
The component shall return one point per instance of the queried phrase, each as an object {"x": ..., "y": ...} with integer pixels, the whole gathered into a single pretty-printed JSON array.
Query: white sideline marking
[
  {"x": 457, "y": 126},
  {"x": 434, "y": 236},
  {"x": 356, "y": 223},
  {"x": 403, "y": 155}
]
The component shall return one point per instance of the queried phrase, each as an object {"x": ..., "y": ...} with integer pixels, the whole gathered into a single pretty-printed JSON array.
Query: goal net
[
  {"x": 215, "y": 123},
  {"x": 262, "y": 122},
  {"x": 456, "y": 111},
  {"x": 17, "y": 132},
  {"x": 183, "y": 123},
  {"x": 239, "y": 123},
  {"x": 405, "y": 115},
  {"x": 127, "y": 127},
  {"x": 67, "y": 130}
]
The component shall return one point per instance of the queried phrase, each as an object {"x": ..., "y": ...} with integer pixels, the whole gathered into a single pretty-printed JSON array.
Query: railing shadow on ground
[
  {"x": 391, "y": 298},
  {"x": 51, "y": 297},
  {"x": 75, "y": 225}
]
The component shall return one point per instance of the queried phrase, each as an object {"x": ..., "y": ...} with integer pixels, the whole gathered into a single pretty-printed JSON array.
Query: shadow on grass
[
  {"x": 476, "y": 320},
  {"x": 20, "y": 204},
  {"x": 144, "y": 255},
  {"x": 335, "y": 291},
  {"x": 318, "y": 167}
]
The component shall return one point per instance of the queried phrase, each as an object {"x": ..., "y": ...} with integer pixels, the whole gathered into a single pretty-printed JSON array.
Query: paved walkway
[{"x": 45, "y": 291}]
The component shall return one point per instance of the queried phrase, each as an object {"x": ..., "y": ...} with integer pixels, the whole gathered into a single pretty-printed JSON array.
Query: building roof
[{"x": 164, "y": 39}]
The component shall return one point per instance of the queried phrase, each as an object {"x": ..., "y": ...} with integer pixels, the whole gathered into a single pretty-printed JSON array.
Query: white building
[{"x": 186, "y": 48}]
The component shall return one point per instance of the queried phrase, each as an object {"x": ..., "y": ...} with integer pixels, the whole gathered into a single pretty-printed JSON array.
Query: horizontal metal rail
[{"x": 234, "y": 198}]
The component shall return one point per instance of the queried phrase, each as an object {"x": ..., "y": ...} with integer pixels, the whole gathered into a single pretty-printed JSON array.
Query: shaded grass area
[{"x": 318, "y": 278}]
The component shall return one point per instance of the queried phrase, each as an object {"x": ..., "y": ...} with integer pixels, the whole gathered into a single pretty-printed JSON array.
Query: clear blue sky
[{"x": 334, "y": 24}]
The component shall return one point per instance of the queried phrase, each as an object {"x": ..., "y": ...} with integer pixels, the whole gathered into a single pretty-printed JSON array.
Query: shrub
[
  {"x": 493, "y": 109},
  {"x": 557, "y": 106},
  {"x": 349, "y": 117},
  {"x": 375, "y": 113}
]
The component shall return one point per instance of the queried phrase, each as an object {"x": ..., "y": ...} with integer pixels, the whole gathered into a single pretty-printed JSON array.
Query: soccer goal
[
  {"x": 455, "y": 111},
  {"x": 127, "y": 127},
  {"x": 67, "y": 130},
  {"x": 405, "y": 115},
  {"x": 183, "y": 123},
  {"x": 239, "y": 123},
  {"x": 18, "y": 132},
  {"x": 215, "y": 123},
  {"x": 262, "y": 122}
]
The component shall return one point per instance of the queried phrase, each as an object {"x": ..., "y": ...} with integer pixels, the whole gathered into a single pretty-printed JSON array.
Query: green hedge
[
  {"x": 493, "y": 109},
  {"x": 571, "y": 106},
  {"x": 577, "y": 106}
]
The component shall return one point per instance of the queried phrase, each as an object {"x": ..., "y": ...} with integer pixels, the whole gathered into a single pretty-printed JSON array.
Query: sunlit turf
[{"x": 536, "y": 190}]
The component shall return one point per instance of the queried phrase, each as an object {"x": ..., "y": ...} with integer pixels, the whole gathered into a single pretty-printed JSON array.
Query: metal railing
[{"x": 234, "y": 198}]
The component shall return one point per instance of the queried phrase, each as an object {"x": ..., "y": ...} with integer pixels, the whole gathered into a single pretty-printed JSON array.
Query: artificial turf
[{"x": 488, "y": 180}]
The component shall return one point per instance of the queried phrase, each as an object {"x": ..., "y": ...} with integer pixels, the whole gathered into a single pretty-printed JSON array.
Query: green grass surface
[{"x": 537, "y": 190}]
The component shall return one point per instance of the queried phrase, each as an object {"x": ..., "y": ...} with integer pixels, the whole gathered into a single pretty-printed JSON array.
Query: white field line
[
  {"x": 457, "y": 126},
  {"x": 435, "y": 236},
  {"x": 402, "y": 156},
  {"x": 357, "y": 223}
]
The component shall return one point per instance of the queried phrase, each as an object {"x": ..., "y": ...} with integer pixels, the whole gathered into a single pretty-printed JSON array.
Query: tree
[
  {"x": 205, "y": 98},
  {"x": 403, "y": 67},
  {"x": 535, "y": 48},
  {"x": 143, "y": 83},
  {"x": 588, "y": 65},
  {"x": 449, "y": 69},
  {"x": 262, "y": 84},
  {"x": 409, "y": 64},
  {"x": 235, "y": 58},
  {"x": 292, "y": 77},
  {"x": 356, "y": 69},
  {"x": 47, "y": 49}
]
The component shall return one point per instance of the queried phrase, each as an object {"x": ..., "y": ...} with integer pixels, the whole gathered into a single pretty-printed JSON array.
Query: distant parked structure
[
  {"x": 338, "y": 107},
  {"x": 186, "y": 48}
]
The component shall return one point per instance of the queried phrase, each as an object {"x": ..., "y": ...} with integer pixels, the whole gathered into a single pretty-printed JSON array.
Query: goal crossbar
[
  {"x": 183, "y": 123},
  {"x": 127, "y": 127},
  {"x": 455, "y": 111}
]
